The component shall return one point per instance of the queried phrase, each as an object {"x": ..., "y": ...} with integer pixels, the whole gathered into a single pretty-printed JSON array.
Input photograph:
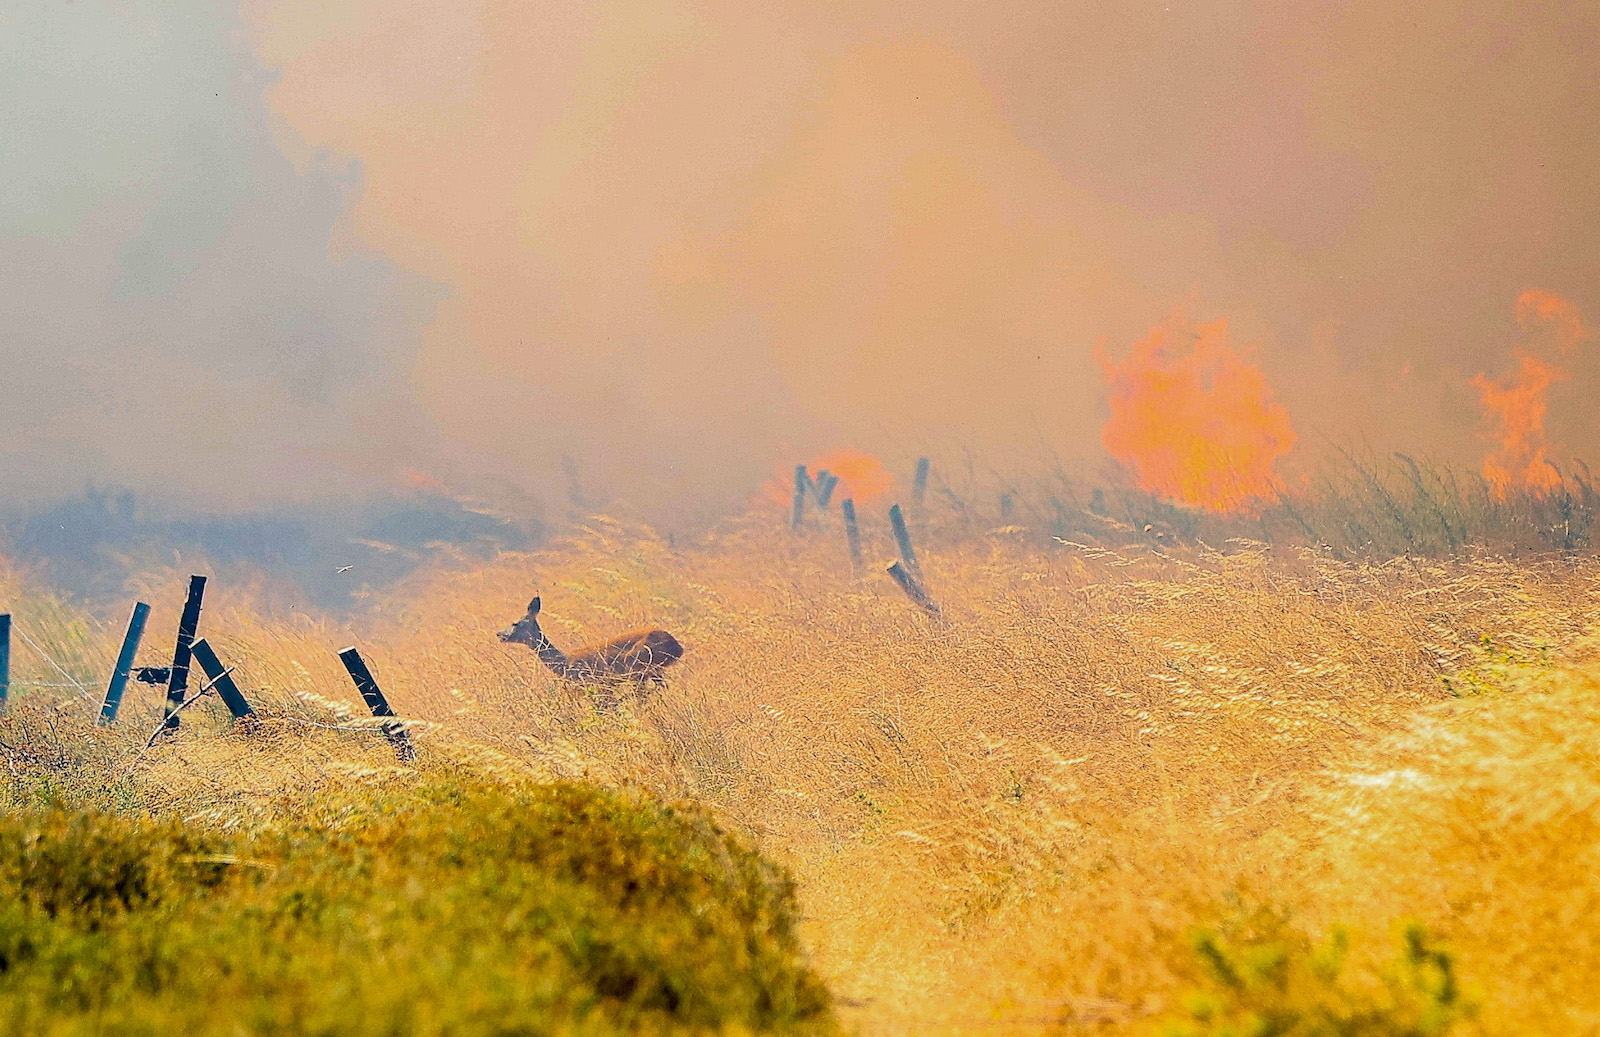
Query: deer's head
[{"x": 525, "y": 630}]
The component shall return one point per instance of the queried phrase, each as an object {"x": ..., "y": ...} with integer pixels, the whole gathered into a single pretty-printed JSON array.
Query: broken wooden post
[
  {"x": 802, "y": 484},
  {"x": 902, "y": 538},
  {"x": 852, "y": 532},
  {"x": 188, "y": 623},
  {"x": 1061, "y": 517},
  {"x": 914, "y": 589},
  {"x": 919, "y": 483},
  {"x": 392, "y": 729},
  {"x": 825, "y": 484},
  {"x": 221, "y": 678},
  {"x": 5, "y": 658},
  {"x": 119, "y": 676}
]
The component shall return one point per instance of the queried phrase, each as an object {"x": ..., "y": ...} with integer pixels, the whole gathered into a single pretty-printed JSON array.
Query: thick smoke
[
  {"x": 674, "y": 243},
  {"x": 171, "y": 315}
]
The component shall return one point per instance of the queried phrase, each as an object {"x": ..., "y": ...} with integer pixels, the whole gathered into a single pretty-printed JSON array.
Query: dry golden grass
[{"x": 1008, "y": 819}]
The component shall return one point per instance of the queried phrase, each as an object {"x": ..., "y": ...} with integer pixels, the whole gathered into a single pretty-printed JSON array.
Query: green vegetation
[
  {"x": 1262, "y": 978},
  {"x": 452, "y": 908}
]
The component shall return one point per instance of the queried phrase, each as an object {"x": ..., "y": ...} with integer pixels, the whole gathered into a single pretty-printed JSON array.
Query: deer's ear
[{"x": 533, "y": 606}]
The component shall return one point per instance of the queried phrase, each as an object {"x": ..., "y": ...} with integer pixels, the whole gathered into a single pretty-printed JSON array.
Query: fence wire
[{"x": 82, "y": 690}]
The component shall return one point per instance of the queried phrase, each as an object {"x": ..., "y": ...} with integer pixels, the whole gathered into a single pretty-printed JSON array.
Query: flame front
[
  {"x": 1537, "y": 306},
  {"x": 1518, "y": 411},
  {"x": 1194, "y": 421},
  {"x": 861, "y": 476},
  {"x": 1517, "y": 406}
]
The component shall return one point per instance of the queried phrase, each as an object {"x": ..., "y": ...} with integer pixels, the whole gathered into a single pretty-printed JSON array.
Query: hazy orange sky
[{"x": 680, "y": 241}]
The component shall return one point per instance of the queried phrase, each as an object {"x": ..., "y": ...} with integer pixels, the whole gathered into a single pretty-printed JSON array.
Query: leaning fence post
[
  {"x": 914, "y": 589},
  {"x": 392, "y": 729},
  {"x": 5, "y": 658},
  {"x": 902, "y": 538},
  {"x": 919, "y": 483},
  {"x": 802, "y": 483},
  {"x": 178, "y": 683},
  {"x": 119, "y": 676},
  {"x": 221, "y": 678},
  {"x": 852, "y": 532},
  {"x": 825, "y": 484}
]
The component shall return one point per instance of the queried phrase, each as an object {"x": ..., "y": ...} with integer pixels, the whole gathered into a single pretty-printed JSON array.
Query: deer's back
[{"x": 638, "y": 654}]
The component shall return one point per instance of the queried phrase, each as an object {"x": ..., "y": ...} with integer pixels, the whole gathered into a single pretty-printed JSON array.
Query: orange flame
[
  {"x": 1518, "y": 410},
  {"x": 1536, "y": 304},
  {"x": 420, "y": 480},
  {"x": 861, "y": 476},
  {"x": 1518, "y": 406},
  {"x": 1197, "y": 426}
]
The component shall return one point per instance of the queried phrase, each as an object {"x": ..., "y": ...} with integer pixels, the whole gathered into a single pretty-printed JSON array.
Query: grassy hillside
[
  {"x": 1020, "y": 817},
  {"x": 437, "y": 907}
]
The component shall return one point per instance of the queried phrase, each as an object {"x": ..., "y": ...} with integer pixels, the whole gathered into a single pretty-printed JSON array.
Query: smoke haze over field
[{"x": 276, "y": 252}]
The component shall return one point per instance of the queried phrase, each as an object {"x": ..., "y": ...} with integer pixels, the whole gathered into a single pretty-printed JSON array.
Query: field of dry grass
[{"x": 1004, "y": 821}]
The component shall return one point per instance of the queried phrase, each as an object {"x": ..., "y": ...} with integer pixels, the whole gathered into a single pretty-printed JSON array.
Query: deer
[{"x": 635, "y": 657}]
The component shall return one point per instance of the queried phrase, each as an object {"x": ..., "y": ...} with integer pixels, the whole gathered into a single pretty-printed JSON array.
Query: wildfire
[
  {"x": 1518, "y": 410},
  {"x": 420, "y": 480},
  {"x": 1538, "y": 306},
  {"x": 1518, "y": 406},
  {"x": 1195, "y": 422},
  {"x": 860, "y": 476}
]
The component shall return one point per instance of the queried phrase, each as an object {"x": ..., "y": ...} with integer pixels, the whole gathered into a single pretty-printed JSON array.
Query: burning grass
[{"x": 1021, "y": 813}]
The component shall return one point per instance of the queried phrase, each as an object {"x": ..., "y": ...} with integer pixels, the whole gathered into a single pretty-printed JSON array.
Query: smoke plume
[{"x": 659, "y": 249}]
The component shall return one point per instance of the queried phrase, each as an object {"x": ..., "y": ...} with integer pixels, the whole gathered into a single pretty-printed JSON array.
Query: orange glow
[
  {"x": 1518, "y": 410},
  {"x": 1537, "y": 305},
  {"x": 1518, "y": 406},
  {"x": 1194, "y": 421},
  {"x": 861, "y": 476},
  {"x": 419, "y": 480}
]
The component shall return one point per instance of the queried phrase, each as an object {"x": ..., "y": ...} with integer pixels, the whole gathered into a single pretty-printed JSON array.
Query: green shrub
[
  {"x": 1262, "y": 978},
  {"x": 455, "y": 910}
]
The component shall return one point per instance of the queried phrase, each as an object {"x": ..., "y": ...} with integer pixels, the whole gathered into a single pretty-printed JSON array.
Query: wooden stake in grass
[
  {"x": 902, "y": 539},
  {"x": 222, "y": 679},
  {"x": 919, "y": 482},
  {"x": 825, "y": 485},
  {"x": 119, "y": 676},
  {"x": 914, "y": 589},
  {"x": 5, "y": 658},
  {"x": 178, "y": 681},
  {"x": 852, "y": 532},
  {"x": 802, "y": 485},
  {"x": 378, "y": 703}
]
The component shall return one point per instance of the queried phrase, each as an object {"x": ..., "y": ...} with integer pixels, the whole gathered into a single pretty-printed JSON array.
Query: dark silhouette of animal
[{"x": 637, "y": 656}]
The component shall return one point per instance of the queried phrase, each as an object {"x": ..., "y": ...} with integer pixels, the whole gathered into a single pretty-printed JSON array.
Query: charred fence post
[
  {"x": 914, "y": 589},
  {"x": 178, "y": 682},
  {"x": 5, "y": 658},
  {"x": 852, "y": 532},
  {"x": 802, "y": 485},
  {"x": 364, "y": 682},
  {"x": 919, "y": 483},
  {"x": 902, "y": 539},
  {"x": 826, "y": 482},
  {"x": 119, "y": 676},
  {"x": 221, "y": 678}
]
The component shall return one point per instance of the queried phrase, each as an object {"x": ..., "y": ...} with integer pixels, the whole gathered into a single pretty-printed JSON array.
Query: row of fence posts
[
  {"x": 218, "y": 676},
  {"x": 906, "y": 572}
]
